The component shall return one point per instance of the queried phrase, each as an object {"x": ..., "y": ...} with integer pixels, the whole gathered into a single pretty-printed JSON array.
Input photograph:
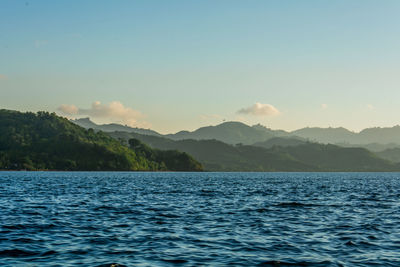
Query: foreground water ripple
[{"x": 199, "y": 219}]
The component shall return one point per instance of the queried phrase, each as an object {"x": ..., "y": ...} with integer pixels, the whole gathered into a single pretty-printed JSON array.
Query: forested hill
[{"x": 44, "y": 141}]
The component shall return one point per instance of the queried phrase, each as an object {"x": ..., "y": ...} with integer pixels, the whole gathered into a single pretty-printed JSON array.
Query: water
[{"x": 195, "y": 219}]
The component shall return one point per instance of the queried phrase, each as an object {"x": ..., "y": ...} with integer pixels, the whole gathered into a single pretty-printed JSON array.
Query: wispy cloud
[
  {"x": 3, "y": 77},
  {"x": 259, "y": 109},
  {"x": 114, "y": 111},
  {"x": 324, "y": 106}
]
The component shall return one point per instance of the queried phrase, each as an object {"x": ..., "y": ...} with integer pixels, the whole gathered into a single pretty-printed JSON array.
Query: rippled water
[{"x": 194, "y": 219}]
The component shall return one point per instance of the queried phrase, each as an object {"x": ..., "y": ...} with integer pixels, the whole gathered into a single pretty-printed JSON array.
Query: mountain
[
  {"x": 341, "y": 135},
  {"x": 325, "y": 135},
  {"x": 329, "y": 157},
  {"x": 112, "y": 127},
  {"x": 215, "y": 155},
  {"x": 376, "y": 139},
  {"x": 374, "y": 147},
  {"x": 277, "y": 133},
  {"x": 281, "y": 141},
  {"x": 383, "y": 135},
  {"x": 392, "y": 154},
  {"x": 44, "y": 141},
  {"x": 227, "y": 132}
]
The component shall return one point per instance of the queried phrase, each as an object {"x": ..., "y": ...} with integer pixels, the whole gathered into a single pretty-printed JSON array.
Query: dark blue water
[{"x": 194, "y": 219}]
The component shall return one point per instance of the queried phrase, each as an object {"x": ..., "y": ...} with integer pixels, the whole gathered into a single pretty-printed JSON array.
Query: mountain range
[
  {"x": 237, "y": 132},
  {"x": 235, "y": 146},
  {"x": 44, "y": 141}
]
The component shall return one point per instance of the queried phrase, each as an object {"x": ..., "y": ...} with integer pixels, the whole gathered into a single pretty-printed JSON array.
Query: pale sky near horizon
[{"x": 179, "y": 65}]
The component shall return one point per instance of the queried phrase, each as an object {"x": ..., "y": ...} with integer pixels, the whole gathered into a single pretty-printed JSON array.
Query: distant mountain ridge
[
  {"x": 227, "y": 132},
  {"x": 378, "y": 135},
  {"x": 112, "y": 127},
  {"x": 240, "y": 133},
  {"x": 325, "y": 135}
]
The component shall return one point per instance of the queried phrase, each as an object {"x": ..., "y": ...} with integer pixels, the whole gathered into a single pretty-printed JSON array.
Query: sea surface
[{"x": 199, "y": 219}]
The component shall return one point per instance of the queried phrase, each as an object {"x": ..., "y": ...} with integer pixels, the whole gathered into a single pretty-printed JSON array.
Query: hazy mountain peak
[
  {"x": 112, "y": 127},
  {"x": 260, "y": 127},
  {"x": 87, "y": 119},
  {"x": 85, "y": 123},
  {"x": 231, "y": 132},
  {"x": 232, "y": 124}
]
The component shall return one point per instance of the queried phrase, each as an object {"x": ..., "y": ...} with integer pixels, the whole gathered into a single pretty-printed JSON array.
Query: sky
[{"x": 180, "y": 65}]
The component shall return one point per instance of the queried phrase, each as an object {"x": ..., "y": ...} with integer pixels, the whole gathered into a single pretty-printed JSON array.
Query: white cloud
[
  {"x": 370, "y": 107},
  {"x": 114, "y": 111},
  {"x": 259, "y": 109},
  {"x": 68, "y": 109},
  {"x": 324, "y": 106}
]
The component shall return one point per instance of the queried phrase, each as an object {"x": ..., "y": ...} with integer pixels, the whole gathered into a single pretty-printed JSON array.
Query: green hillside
[{"x": 44, "y": 141}]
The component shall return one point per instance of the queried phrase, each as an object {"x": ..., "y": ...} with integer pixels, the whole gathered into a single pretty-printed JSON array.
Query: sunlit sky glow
[{"x": 173, "y": 65}]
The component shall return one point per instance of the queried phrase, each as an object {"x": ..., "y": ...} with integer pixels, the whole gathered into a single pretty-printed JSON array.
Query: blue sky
[{"x": 173, "y": 65}]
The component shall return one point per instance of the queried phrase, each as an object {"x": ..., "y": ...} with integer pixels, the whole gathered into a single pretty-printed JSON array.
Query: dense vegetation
[
  {"x": 218, "y": 156},
  {"x": 44, "y": 141},
  {"x": 170, "y": 159}
]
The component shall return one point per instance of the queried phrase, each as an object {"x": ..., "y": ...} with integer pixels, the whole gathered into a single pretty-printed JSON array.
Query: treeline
[{"x": 44, "y": 141}]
